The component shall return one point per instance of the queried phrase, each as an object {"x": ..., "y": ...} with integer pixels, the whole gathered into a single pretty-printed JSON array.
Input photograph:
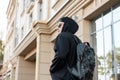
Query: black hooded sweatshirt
[{"x": 65, "y": 51}]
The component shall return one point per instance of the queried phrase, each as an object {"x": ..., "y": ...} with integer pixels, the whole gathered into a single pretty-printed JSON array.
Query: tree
[
  {"x": 108, "y": 61},
  {"x": 1, "y": 51},
  {"x": 117, "y": 55}
]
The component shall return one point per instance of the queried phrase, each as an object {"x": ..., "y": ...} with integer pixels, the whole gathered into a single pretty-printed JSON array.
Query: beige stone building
[{"x": 31, "y": 34}]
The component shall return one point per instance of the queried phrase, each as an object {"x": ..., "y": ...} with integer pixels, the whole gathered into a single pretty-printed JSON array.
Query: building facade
[{"x": 31, "y": 34}]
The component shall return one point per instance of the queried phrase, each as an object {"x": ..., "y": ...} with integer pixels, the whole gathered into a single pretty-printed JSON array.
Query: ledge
[
  {"x": 40, "y": 26},
  {"x": 26, "y": 45},
  {"x": 31, "y": 5},
  {"x": 55, "y": 3},
  {"x": 103, "y": 7}
]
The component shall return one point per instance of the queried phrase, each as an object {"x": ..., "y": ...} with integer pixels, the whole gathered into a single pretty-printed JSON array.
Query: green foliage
[
  {"x": 108, "y": 60},
  {"x": 1, "y": 51},
  {"x": 117, "y": 55}
]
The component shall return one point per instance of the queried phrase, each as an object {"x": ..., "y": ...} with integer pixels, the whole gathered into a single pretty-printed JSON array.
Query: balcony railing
[
  {"x": 29, "y": 5},
  {"x": 9, "y": 32}
]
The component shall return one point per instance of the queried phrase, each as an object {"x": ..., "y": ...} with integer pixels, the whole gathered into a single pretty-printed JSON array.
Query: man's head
[{"x": 66, "y": 24}]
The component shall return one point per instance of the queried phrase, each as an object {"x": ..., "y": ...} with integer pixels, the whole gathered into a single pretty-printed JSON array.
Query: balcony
[
  {"x": 29, "y": 5},
  {"x": 9, "y": 32}
]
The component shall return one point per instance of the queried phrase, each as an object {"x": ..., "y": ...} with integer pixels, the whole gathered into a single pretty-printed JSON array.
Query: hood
[{"x": 69, "y": 25}]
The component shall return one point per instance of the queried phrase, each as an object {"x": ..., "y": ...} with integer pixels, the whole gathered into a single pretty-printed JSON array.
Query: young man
[{"x": 65, "y": 50}]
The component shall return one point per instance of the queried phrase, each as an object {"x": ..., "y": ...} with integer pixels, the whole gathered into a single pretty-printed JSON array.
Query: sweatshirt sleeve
[{"x": 61, "y": 50}]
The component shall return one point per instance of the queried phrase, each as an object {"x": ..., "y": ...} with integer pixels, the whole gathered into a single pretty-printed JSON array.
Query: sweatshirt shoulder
[
  {"x": 68, "y": 36},
  {"x": 65, "y": 35}
]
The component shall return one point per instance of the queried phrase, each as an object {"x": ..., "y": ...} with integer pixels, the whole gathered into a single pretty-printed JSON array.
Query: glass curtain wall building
[{"x": 105, "y": 37}]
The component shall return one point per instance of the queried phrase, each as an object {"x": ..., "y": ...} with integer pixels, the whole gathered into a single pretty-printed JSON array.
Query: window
[
  {"x": 22, "y": 32},
  {"x": 41, "y": 12},
  {"x": 30, "y": 19},
  {"x": 16, "y": 40},
  {"x": 105, "y": 40},
  {"x": 21, "y": 5}
]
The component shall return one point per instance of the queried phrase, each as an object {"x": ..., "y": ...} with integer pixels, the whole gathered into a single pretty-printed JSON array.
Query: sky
[{"x": 3, "y": 19}]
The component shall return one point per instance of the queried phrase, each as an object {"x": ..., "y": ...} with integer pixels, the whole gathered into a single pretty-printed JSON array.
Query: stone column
[
  {"x": 42, "y": 57},
  {"x": 42, "y": 51},
  {"x": 84, "y": 30},
  {"x": 25, "y": 70},
  {"x": 37, "y": 71}
]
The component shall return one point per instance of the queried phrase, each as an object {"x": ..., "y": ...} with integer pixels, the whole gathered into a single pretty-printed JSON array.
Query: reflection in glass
[
  {"x": 108, "y": 52},
  {"x": 106, "y": 42},
  {"x": 107, "y": 19},
  {"x": 117, "y": 44},
  {"x": 116, "y": 14},
  {"x": 98, "y": 23},
  {"x": 100, "y": 55}
]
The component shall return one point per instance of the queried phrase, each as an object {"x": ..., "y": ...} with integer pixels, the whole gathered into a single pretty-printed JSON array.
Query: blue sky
[{"x": 3, "y": 20}]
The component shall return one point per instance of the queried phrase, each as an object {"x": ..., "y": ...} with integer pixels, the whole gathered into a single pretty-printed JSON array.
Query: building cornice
[
  {"x": 49, "y": 26},
  {"x": 40, "y": 27},
  {"x": 10, "y": 5},
  {"x": 100, "y": 9},
  {"x": 31, "y": 5}
]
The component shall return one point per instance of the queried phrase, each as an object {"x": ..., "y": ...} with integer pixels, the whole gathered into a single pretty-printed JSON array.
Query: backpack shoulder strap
[
  {"x": 87, "y": 43},
  {"x": 77, "y": 40}
]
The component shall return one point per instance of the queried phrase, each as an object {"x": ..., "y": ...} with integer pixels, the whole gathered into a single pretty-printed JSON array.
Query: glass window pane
[
  {"x": 108, "y": 60},
  {"x": 98, "y": 24},
  {"x": 94, "y": 41},
  {"x": 107, "y": 19},
  {"x": 100, "y": 55},
  {"x": 117, "y": 45},
  {"x": 116, "y": 14},
  {"x": 116, "y": 34},
  {"x": 108, "y": 52}
]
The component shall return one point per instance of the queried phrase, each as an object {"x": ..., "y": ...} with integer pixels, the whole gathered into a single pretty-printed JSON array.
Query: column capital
[{"x": 40, "y": 27}]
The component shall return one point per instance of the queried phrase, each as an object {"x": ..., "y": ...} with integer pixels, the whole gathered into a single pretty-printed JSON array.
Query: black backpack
[{"x": 85, "y": 65}]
